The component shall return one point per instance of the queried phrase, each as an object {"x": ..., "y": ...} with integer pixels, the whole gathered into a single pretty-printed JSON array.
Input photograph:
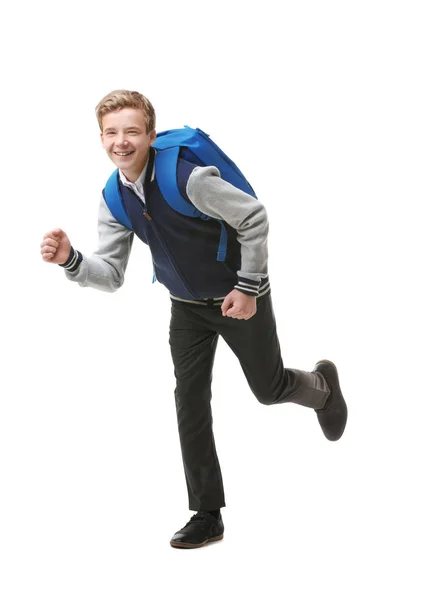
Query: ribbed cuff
[
  {"x": 248, "y": 286},
  {"x": 73, "y": 262}
]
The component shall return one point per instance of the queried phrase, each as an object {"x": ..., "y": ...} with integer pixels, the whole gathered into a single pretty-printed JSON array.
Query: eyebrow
[{"x": 113, "y": 128}]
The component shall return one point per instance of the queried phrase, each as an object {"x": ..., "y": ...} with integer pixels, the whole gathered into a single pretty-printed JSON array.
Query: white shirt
[{"x": 138, "y": 185}]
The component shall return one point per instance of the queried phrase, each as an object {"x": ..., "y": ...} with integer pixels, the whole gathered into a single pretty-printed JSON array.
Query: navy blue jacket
[{"x": 184, "y": 249}]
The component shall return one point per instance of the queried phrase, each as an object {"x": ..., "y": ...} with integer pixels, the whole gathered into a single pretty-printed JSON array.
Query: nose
[{"x": 120, "y": 139}]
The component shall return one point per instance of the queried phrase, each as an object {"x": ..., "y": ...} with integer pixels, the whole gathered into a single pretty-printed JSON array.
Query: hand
[
  {"x": 239, "y": 306},
  {"x": 55, "y": 247}
]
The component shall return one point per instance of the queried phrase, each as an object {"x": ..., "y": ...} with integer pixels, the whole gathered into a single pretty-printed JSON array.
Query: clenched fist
[
  {"x": 239, "y": 306},
  {"x": 55, "y": 247}
]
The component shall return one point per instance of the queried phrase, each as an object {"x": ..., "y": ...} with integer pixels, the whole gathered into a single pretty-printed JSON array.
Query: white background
[{"x": 320, "y": 104}]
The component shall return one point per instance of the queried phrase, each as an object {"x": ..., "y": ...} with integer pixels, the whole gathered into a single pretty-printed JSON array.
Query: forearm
[
  {"x": 252, "y": 235},
  {"x": 105, "y": 269},
  {"x": 99, "y": 273}
]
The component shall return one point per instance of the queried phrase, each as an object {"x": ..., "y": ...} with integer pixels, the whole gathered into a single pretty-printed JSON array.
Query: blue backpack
[{"x": 196, "y": 147}]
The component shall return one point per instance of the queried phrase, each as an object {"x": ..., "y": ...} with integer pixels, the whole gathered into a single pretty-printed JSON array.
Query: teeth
[{"x": 123, "y": 153}]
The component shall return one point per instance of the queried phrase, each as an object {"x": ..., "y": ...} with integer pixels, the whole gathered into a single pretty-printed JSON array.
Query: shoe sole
[{"x": 187, "y": 545}]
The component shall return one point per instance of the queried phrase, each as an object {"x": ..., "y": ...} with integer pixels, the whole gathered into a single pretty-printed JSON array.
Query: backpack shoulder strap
[
  {"x": 114, "y": 200},
  {"x": 167, "y": 180}
]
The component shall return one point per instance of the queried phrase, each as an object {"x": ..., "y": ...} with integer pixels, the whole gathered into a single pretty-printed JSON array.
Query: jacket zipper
[{"x": 163, "y": 245}]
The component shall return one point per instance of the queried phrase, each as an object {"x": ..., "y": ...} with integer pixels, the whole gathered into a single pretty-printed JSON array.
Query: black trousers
[{"x": 194, "y": 331}]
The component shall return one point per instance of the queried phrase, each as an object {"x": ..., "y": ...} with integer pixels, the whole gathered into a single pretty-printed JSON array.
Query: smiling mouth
[{"x": 124, "y": 153}]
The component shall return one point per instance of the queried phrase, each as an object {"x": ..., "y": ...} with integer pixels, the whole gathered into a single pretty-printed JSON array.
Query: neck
[{"x": 132, "y": 176}]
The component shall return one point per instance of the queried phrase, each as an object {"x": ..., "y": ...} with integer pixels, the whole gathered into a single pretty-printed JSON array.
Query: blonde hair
[{"x": 125, "y": 99}]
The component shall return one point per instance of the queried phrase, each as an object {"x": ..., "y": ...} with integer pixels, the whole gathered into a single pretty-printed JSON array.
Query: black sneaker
[
  {"x": 202, "y": 528},
  {"x": 333, "y": 416}
]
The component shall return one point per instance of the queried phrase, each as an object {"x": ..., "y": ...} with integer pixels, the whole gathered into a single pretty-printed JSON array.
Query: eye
[{"x": 110, "y": 133}]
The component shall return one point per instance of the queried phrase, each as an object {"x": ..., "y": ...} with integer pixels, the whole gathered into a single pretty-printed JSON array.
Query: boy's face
[{"x": 126, "y": 141}]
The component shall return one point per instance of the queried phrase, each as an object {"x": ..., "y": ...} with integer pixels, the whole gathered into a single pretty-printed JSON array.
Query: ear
[
  {"x": 153, "y": 136},
  {"x": 102, "y": 139}
]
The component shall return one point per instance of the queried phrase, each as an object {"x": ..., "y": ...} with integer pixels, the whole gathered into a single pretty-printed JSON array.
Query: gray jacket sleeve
[
  {"x": 105, "y": 269},
  {"x": 221, "y": 200}
]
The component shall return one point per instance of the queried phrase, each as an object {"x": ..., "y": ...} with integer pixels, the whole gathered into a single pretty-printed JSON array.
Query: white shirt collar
[{"x": 139, "y": 183}]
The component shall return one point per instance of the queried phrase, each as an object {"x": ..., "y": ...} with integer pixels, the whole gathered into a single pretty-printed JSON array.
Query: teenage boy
[{"x": 209, "y": 298}]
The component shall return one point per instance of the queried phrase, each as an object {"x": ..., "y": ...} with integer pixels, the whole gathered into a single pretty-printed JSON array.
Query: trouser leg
[
  {"x": 193, "y": 346},
  {"x": 256, "y": 345}
]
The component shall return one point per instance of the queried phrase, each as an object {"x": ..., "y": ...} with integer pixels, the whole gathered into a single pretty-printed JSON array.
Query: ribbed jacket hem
[{"x": 263, "y": 288}]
